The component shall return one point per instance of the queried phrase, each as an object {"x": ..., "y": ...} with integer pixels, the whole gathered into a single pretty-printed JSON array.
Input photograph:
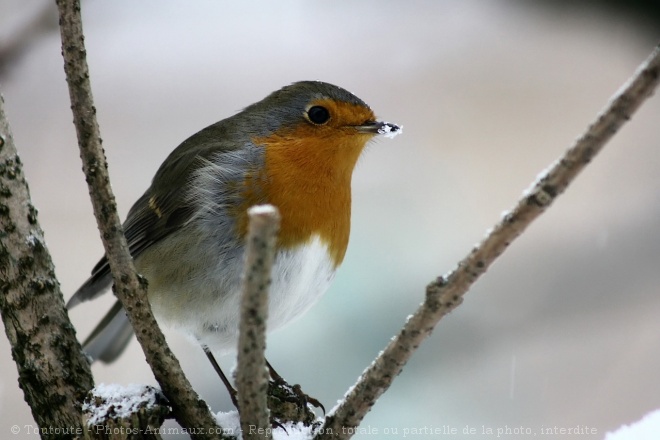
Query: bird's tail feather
[{"x": 110, "y": 337}]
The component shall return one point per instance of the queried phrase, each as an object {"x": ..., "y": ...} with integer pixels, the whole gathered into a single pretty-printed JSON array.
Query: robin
[{"x": 295, "y": 149}]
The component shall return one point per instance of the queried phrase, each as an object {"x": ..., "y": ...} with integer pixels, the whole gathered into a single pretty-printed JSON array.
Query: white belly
[{"x": 299, "y": 278}]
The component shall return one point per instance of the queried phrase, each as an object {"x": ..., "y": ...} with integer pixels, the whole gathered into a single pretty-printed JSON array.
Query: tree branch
[
  {"x": 446, "y": 292},
  {"x": 189, "y": 410},
  {"x": 252, "y": 375},
  {"x": 52, "y": 370}
]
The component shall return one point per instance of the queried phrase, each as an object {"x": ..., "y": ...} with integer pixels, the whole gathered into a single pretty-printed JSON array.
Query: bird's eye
[{"x": 318, "y": 115}]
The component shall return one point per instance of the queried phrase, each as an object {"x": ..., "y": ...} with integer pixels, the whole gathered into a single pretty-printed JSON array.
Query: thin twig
[
  {"x": 252, "y": 375},
  {"x": 446, "y": 292},
  {"x": 52, "y": 370},
  {"x": 189, "y": 410}
]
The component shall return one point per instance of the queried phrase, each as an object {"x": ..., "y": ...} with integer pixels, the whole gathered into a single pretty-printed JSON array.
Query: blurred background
[{"x": 561, "y": 332}]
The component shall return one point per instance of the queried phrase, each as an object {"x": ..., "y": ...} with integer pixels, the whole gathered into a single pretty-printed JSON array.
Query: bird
[{"x": 296, "y": 149}]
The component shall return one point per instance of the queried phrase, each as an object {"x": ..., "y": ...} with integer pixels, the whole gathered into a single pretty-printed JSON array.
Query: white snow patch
[
  {"x": 390, "y": 130},
  {"x": 230, "y": 423},
  {"x": 531, "y": 189},
  {"x": 115, "y": 401},
  {"x": 33, "y": 239},
  {"x": 645, "y": 429},
  {"x": 262, "y": 210}
]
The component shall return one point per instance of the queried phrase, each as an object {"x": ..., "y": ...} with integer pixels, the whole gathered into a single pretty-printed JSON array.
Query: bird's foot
[{"x": 289, "y": 403}]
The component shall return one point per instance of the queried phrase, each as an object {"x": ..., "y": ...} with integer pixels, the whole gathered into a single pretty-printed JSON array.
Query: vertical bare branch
[
  {"x": 52, "y": 370},
  {"x": 252, "y": 375},
  {"x": 188, "y": 408},
  {"x": 446, "y": 292}
]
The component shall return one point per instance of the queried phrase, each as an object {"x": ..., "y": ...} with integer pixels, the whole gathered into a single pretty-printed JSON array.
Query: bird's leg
[
  {"x": 274, "y": 374},
  {"x": 216, "y": 367},
  {"x": 232, "y": 391},
  {"x": 283, "y": 398}
]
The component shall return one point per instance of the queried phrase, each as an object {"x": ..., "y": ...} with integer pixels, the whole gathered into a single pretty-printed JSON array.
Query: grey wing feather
[{"x": 110, "y": 337}]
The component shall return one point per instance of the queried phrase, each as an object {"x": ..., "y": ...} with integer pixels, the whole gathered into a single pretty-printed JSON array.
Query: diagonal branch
[
  {"x": 252, "y": 376},
  {"x": 189, "y": 410},
  {"x": 446, "y": 292}
]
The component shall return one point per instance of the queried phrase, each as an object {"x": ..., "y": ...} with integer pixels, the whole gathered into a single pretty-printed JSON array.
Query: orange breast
[{"x": 307, "y": 176}]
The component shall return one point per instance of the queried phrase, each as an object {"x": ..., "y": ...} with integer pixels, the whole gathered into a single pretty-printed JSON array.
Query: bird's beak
[{"x": 375, "y": 127}]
